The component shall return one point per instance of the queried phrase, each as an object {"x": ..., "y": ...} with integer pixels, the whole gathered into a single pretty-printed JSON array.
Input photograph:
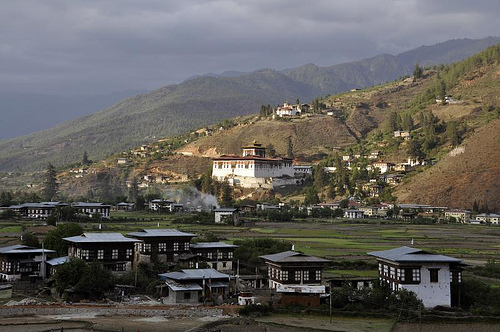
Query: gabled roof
[
  {"x": 194, "y": 274},
  {"x": 163, "y": 232},
  {"x": 22, "y": 249},
  {"x": 412, "y": 255},
  {"x": 99, "y": 237},
  {"x": 226, "y": 210},
  {"x": 292, "y": 257},
  {"x": 183, "y": 287},
  {"x": 86, "y": 204},
  {"x": 207, "y": 245},
  {"x": 58, "y": 260}
]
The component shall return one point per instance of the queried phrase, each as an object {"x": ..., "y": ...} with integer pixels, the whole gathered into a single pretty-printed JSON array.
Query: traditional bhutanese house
[
  {"x": 488, "y": 218},
  {"x": 21, "y": 262},
  {"x": 193, "y": 285},
  {"x": 162, "y": 245},
  {"x": 354, "y": 214},
  {"x": 229, "y": 216},
  {"x": 92, "y": 209},
  {"x": 113, "y": 250},
  {"x": 434, "y": 278},
  {"x": 288, "y": 110},
  {"x": 296, "y": 276},
  {"x": 54, "y": 263},
  {"x": 36, "y": 210},
  {"x": 253, "y": 169},
  {"x": 462, "y": 216},
  {"x": 218, "y": 255},
  {"x": 124, "y": 206},
  {"x": 383, "y": 166}
]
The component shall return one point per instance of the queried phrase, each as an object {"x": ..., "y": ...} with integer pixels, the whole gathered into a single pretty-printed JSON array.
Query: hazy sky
[{"x": 103, "y": 46}]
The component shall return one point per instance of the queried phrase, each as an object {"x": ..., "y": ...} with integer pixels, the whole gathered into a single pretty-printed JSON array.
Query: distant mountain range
[{"x": 207, "y": 99}]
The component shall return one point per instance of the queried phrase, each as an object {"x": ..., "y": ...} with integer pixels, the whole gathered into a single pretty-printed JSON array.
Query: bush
[{"x": 256, "y": 310}]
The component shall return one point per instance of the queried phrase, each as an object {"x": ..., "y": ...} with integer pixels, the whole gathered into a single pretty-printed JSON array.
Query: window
[
  {"x": 318, "y": 275},
  {"x": 186, "y": 246},
  {"x": 401, "y": 274},
  {"x": 415, "y": 275},
  {"x": 434, "y": 275},
  {"x": 297, "y": 275},
  {"x": 85, "y": 254},
  {"x": 176, "y": 246},
  {"x": 187, "y": 295},
  {"x": 114, "y": 254},
  {"x": 147, "y": 247},
  {"x": 456, "y": 276},
  {"x": 129, "y": 253},
  {"x": 386, "y": 271},
  {"x": 224, "y": 264},
  {"x": 284, "y": 275},
  {"x": 209, "y": 255},
  {"x": 392, "y": 272},
  {"x": 230, "y": 255},
  {"x": 100, "y": 254},
  {"x": 219, "y": 255},
  {"x": 162, "y": 246}
]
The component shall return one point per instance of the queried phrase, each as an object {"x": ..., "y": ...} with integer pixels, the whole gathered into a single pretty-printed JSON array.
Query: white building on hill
[
  {"x": 253, "y": 169},
  {"x": 288, "y": 110}
]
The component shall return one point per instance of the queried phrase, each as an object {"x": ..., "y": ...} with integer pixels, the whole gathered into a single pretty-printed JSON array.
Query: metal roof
[
  {"x": 22, "y": 249},
  {"x": 408, "y": 254},
  {"x": 162, "y": 232},
  {"x": 207, "y": 245},
  {"x": 195, "y": 274},
  {"x": 226, "y": 210},
  {"x": 99, "y": 237},
  {"x": 58, "y": 260},
  {"x": 292, "y": 256},
  {"x": 183, "y": 287},
  {"x": 85, "y": 204}
]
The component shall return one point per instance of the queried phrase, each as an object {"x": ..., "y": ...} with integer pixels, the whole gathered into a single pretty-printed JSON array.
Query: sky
[{"x": 90, "y": 46}]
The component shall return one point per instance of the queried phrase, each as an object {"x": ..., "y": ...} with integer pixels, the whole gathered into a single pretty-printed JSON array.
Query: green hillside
[{"x": 200, "y": 101}]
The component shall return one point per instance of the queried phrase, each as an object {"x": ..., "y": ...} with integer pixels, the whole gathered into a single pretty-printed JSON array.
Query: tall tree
[
  {"x": 85, "y": 158},
  {"x": 226, "y": 194},
  {"x": 49, "y": 190},
  {"x": 452, "y": 133},
  {"x": 289, "y": 150},
  {"x": 133, "y": 190},
  {"x": 311, "y": 196},
  {"x": 417, "y": 72}
]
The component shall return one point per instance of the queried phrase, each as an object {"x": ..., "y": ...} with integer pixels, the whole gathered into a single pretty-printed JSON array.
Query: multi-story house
[
  {"x": 488, "y": 217},
  {"x": 218, "y": 255},
  {"x": 161, "y": 245},
  {"x": 434, "y": 278},
  {"x": 113, "y": 250},
  {"x": 92, "y": 209},
  {"x": 298, "y": 277},
  {"x": 462, "y": 216},
  {"x": 20, "y": 261}
]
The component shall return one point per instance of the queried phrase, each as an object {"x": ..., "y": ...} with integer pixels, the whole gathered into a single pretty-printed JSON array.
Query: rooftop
[
  {"x": 292, "y": 257},
  {"x": 99, "y": 237},
  {"x": 89, "y": 204},
  {"x": 226, "y": 210},
  {"x": 412, "y": 255},
  {"x": 162, "y": 232},
  {"x": 22, "y": 249},
  {"x": 195, "y": 274}
]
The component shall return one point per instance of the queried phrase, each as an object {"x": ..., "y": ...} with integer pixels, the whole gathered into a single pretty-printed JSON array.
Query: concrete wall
[{"x": 178, "y": 297}]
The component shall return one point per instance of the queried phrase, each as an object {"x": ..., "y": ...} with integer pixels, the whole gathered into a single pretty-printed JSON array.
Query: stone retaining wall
[{"x": 12, "y": 311}]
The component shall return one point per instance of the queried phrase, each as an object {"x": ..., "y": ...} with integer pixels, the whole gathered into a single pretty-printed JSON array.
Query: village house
[
  {"x": 254, "y": 169},
  {"x": 122, "y": 161},
  {"x": 91, "y": 209},
  {"x": 392, "y": 179},
  {"x": 296, "y": 277},
  {"x": 491, "y": 218},
  {"x": 191, "y": 286},
  {"x": 354, "y": 214},
  {"x": 302, "y": 169},
  {"x": 113, "y": 250},
  {"x": 229, "y": 216},
  {"x": 434, "y": 278},
  {"x": 218, "y": 255},
  {"x": 369, "y": 211},
  {"x": 288, "y": 110},
  {"x": 403, "y": 134},
  {"x": 160, "y": 245},
  {"x": 21, "y": 262},
  {"x": 54, "y": 263},
  {"x": 462, "y": 216},
  {"x": 383, "y": 167},
  {"x": 40, "y": 210},
  {"x": 125, "y": 206}
]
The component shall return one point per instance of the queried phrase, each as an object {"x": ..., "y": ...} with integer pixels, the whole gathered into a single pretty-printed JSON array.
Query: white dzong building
[{"x": 253, "y": 169}]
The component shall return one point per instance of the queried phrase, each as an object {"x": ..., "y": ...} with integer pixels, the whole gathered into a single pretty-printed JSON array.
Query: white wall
[{"x": 433, "y": 294}]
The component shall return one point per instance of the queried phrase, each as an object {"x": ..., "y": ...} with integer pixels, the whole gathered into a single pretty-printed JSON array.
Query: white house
[
  {"x": 288, "y": 110},
  {"x": 462, "y": 216},
  {"x": 435, "y": 279},
  {"x": 488, "y": 217},
  {"x": 354, "y": 214},
  {"x": 383, "y": 166},
  {"x": 227, "y": 216},
  {"x": 253, "y": 169}
]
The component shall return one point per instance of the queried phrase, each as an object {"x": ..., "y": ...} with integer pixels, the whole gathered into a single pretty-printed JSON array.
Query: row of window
[
  {"x": 99, "y": 254},
  {"x": 162, "y": 247},
  {"x": 296, "y": 276},
  {"x": 218, "y": 255},
  {"x": 259, "y": 166},
  {"x": 413, "y": 274}
]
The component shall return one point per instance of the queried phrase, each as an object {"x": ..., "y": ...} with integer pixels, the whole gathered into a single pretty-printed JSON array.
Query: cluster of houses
[
  {"x": 43, "y": 210},
  {"x": 206, "y": 268}
]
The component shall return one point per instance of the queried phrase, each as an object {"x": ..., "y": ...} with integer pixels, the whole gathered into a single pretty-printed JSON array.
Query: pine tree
[
  {"x": 49, "y": 190},
  {"x": 133, "y": 190},
  {"x": 417, "y": 72},
  {"x": 226, "y": 195},
  {"x": 85, "y": 158},
  {"x": 289, "y": 150}
]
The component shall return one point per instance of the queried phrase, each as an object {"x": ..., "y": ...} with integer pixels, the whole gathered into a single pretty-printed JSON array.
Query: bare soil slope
[{"x": 458, "y": 180}]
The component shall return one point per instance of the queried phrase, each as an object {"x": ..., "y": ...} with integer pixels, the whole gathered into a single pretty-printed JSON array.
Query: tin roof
[
  {"x": 409, "y": 255},
  {"x": 292, "y": 257},
  {"x": 194, "y": 274},
  {"x": 204, "y": 245},
  {"x": 99, "y": 237},
  {"x": 22, "y": 249},
  {"x": 162, "y": 232}
]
